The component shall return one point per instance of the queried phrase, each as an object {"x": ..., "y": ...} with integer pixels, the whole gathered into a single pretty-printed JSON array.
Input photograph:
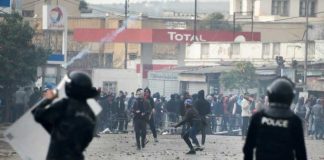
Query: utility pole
[
  {"x": 126, "y": 44},
  {"x": 195, "y": 22},
  {"x": 234, "y": 19},
  {"x": 252, "y": 19},
  {"x": 306, "y": 46}
]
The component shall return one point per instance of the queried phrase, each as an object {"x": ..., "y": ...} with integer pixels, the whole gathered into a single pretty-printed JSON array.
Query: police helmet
[
  {"x": 80, "y": 86},
  {"x": 281, "y": 91}
]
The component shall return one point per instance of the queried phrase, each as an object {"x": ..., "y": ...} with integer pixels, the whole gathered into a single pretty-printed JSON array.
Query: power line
[
  {"x": 282, "y": 19},
  {"x": 30, "y": 4}
]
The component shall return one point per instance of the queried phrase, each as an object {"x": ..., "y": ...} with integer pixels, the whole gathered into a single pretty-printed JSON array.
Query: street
[{"x": 169, "y": 147}]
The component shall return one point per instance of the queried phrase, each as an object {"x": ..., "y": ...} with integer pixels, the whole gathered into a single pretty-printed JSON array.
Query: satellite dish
[{"x": 240, "y": 38}]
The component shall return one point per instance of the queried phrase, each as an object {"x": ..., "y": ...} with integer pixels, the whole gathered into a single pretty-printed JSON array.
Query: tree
[
  {"x": 83, "y": 7},
  {"x": 216, "y": 21},
  {"x": 242, "y": 78},
  {"x": 19, "y": 58}
]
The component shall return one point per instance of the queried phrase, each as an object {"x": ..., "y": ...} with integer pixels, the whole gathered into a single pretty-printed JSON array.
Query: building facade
[
  {"x": 279, "y": 20},
  {"x": 278, "y": 8}
]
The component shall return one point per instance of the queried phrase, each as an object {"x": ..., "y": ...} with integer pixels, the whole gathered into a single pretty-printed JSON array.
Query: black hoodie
[{"x": 202, "y": 105}]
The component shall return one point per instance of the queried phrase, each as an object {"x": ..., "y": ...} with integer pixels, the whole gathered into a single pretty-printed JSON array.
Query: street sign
[{"x": 4, "y": 3}]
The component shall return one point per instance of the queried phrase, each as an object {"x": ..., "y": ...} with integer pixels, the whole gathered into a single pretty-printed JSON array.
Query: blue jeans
[{"x": 192, "y": 133}]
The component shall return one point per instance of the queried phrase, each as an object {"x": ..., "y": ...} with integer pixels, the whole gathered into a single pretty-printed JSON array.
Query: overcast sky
[{"x": 122, "y": 1}]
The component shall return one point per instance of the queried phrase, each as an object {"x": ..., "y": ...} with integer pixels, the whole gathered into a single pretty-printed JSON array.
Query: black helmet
[
  {"x": 80, "y": 86},
  {"x": 281, "y": 91}
]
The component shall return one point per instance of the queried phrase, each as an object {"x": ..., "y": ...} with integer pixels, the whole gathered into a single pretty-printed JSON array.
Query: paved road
[{"x": 169, "y": 147}]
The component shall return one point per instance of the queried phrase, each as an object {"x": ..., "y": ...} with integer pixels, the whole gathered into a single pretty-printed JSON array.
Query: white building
[
  {"x": 275, "y": 8},
  {"x": 279, "y": 20},
  {"x": 208, "y": 54}
]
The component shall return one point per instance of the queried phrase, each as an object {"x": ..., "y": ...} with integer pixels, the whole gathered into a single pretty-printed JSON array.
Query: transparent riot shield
[{"x": 29, "y": 138}]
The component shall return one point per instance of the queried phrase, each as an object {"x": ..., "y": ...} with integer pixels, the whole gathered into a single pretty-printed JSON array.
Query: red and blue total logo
[{"x": 56, "y": 15}]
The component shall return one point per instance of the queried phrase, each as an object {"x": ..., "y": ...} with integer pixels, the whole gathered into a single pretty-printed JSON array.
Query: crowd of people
[
  {"x": 226, "y": 114},
  {"x": 270, "y": 116}
]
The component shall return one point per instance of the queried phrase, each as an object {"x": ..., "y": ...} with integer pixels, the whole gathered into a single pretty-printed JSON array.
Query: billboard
[
  {"x": 5, "y": 3},
  {"x": 161, "y": 35},
  {"x": 54, "y": 17}
]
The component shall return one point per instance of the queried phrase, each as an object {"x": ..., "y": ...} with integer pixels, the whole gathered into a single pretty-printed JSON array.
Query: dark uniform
[
  {"x": 141, "y": 111},
  {"x": 70, "y": 121},
  {"x": 276, "y": 132}
]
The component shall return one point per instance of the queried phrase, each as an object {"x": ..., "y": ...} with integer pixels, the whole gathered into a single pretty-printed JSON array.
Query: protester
[
  {"x": 120, "y": 112},
  {"x": 21, "y": 101},
  {"x": 203, "y": 108},
  {"x": 193, "y": 118},
  {"x": 147, "y": 97},
  {"x": 172, "y": 109},
  {"x": 141, "y": 111},
  {"x": 246, "y": 114},
  {"x": 318, "y": 116}
]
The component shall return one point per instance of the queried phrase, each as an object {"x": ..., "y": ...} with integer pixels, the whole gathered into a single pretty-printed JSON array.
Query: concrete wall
[
  {"x": 276, "y": 32},
  {"x": 319, "y": 50},
  {"x": 146, "y": 61},
  {"x": 264, "y": 7},
  {"x": 195, "y": 87},
  {"x": 127, "y": 80},
  {"x": 294, "y": 8},
  {"x": 253, "y": 51}
]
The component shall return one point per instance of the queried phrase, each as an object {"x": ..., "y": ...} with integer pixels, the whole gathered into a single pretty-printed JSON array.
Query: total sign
[
  {"x": 189, "y": 36},
  {"x": 54, "y": 17},
  {"x": 174, "y": 36}
]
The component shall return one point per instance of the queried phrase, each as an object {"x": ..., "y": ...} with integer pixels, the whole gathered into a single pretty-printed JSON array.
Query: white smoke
[{"x": 106, "y": 39}]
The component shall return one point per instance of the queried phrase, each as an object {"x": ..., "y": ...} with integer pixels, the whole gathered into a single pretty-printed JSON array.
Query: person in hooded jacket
[
  {"x": 141, "y": 110},
  {"x": 69, "y": 121},
  {"x": 120, "y": 112},
  {"x": 148, "y": 97},
  {"x": 192, "y": 118},
  {"x": 171, "y": 108},
  {"x": 203, "y": 108},
  {"x": 276, "y": 133}
]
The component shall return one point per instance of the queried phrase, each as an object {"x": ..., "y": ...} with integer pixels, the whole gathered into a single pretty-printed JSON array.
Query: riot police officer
[
  {"x": 276, "y": 132},
  {"x": 70, "y": 121}
]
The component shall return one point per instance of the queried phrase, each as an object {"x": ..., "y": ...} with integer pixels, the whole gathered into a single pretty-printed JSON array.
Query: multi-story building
[
  {"x": 272, "y": 9},
  {"x": 279, "y": 20}
]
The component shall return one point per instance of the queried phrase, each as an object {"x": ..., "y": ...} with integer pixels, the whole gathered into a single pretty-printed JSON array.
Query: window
[
  {"x": 235, "y": 48},
  {"x": 280, "y": 7},
  {"x": 184, "y": 86},
  {"x": 265, "y": 49},
  {"x": 276, "y": 49},
  {"x": 311, "y": 8},
  {"x": 27, "y": 13},
  {"x": 109, "y": 86},
  {"x": 204, "y": 50},
  {"x": 132, "y": 56},
  {"x": 311, "y": 49},
  {"x": 109, "y": 61}
]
